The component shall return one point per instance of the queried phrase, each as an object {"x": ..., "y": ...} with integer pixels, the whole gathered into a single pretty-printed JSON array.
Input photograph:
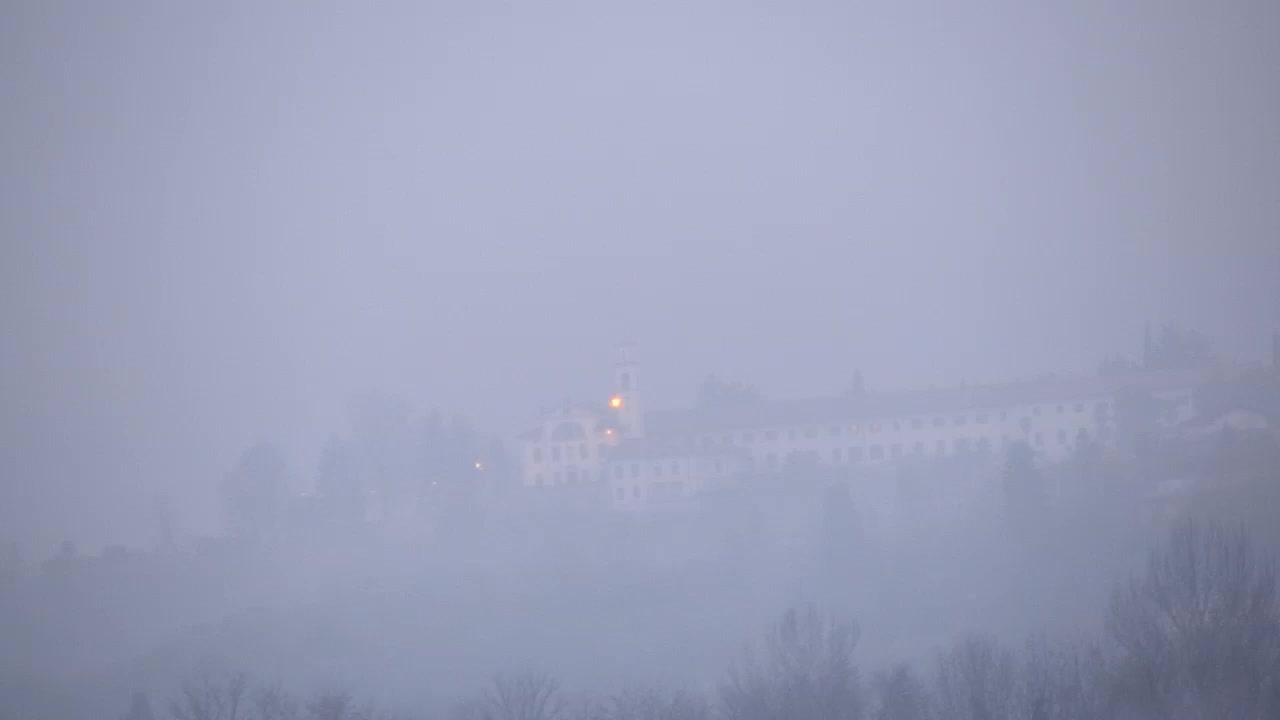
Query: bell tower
[{"x": 624, "y": 403}]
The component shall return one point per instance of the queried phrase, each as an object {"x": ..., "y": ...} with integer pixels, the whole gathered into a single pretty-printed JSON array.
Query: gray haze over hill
[{"x": 222, "y": 224}]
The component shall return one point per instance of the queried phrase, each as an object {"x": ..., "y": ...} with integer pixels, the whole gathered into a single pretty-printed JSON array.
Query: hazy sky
[{"x": 219, "y": 223}]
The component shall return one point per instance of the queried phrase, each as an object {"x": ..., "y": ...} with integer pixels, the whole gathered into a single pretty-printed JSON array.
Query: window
[
  {"x": 555, "y": 454},
  {"x": 917, "y": 423},
  {"x": 837, "y": 455},
  {"x": 771, "y": 435},
  {"x": 583, "y": 451},
  {"x": 555, "y": 478},
  {"x": 726, "y": 440},
  {"x": 1061, "y": 408},
  {"x": 834, "y": 430},
  {"x": 675, "y": 467},
  {"x": 941, "y": 447},
  {"x": 919, "y": 447},
  {"x": 960, "y": 420},
  {"x": 573, "y": 476},
  {"x": 981, "y": 419},
  {"x": 811, "y": 432},
  {"x": 537, "y": 480},
  {"x": 877, "y": 452},
  {"x": 961, "y": 445},
  {"x": 939, "y": 422},
  {"x": 875, "y": 427},
  {"x": 855, "y": 454},
  {"x": 1039, "y": 438},
  {"x": 854, "y": 428},
  {"x": 748, "y": 437},
  {"x": 635, "y": 491},
  {"x": 791, "y": 433},
  {"x": 537, "y": 455},
  {"x": 1079, "y": 407},
  {"x": 897, "y": 426},
  {"x": 1062, "y": 437},
  {"x": 624, "y": 381},
  {"x": 771, "y": 461},
  {"x": 895, "y": 450},
  {"x": 619, "y": 471},
  {"x": 1003, "y": 416},
  {"x": 719, "y": 467},
  {"x": 1035, "y": 410},
  {"x": 635, "y": 470},
  {"x": 621, "y": 494},
  {"x": 984, "y": 445}
]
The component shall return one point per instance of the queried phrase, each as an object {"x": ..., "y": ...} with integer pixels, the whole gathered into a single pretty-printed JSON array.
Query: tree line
[{"x": 1194, "y": 636}]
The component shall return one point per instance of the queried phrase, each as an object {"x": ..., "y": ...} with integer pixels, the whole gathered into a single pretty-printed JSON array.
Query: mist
[{"x": 288, "y": 293}]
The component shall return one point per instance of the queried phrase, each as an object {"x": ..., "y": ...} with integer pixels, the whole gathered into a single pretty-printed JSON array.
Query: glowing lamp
[
  {"x": 615, "y": 402},
  {"x": 479, "y": 465}
]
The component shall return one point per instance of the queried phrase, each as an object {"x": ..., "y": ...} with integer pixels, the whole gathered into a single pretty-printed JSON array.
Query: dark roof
[{"x": 870, "y": 405}]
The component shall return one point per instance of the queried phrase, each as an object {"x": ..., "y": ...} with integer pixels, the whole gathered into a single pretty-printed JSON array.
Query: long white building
[{"x": 649, "y": 458}]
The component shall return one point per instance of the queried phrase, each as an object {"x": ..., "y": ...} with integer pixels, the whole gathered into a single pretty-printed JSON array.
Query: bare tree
[
  {"x": 1061, "y": 682},
  {"x": 519, "y": 696},
  {"x": 211, "y": 699},
  {"x": 977, "y": 680},
  {"x": 901, "y": 695},
  {"x": 1199, "y": 632},
  {"x": 646, "y": 704},
  {"x": 807, "y": 673}
]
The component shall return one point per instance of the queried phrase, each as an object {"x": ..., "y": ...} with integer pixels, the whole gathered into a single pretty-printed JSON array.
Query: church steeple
[{"x": 625, "y": 404}]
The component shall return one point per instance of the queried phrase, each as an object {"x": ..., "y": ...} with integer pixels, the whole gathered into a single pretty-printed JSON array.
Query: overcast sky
[{"x": 220, "y": 223}]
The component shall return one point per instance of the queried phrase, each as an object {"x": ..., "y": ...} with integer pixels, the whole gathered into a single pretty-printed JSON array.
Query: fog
[{"x": 375, "y": 246}]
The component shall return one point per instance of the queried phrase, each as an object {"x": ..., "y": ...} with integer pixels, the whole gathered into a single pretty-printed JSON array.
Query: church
[{"x": 647, "y": 459}]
